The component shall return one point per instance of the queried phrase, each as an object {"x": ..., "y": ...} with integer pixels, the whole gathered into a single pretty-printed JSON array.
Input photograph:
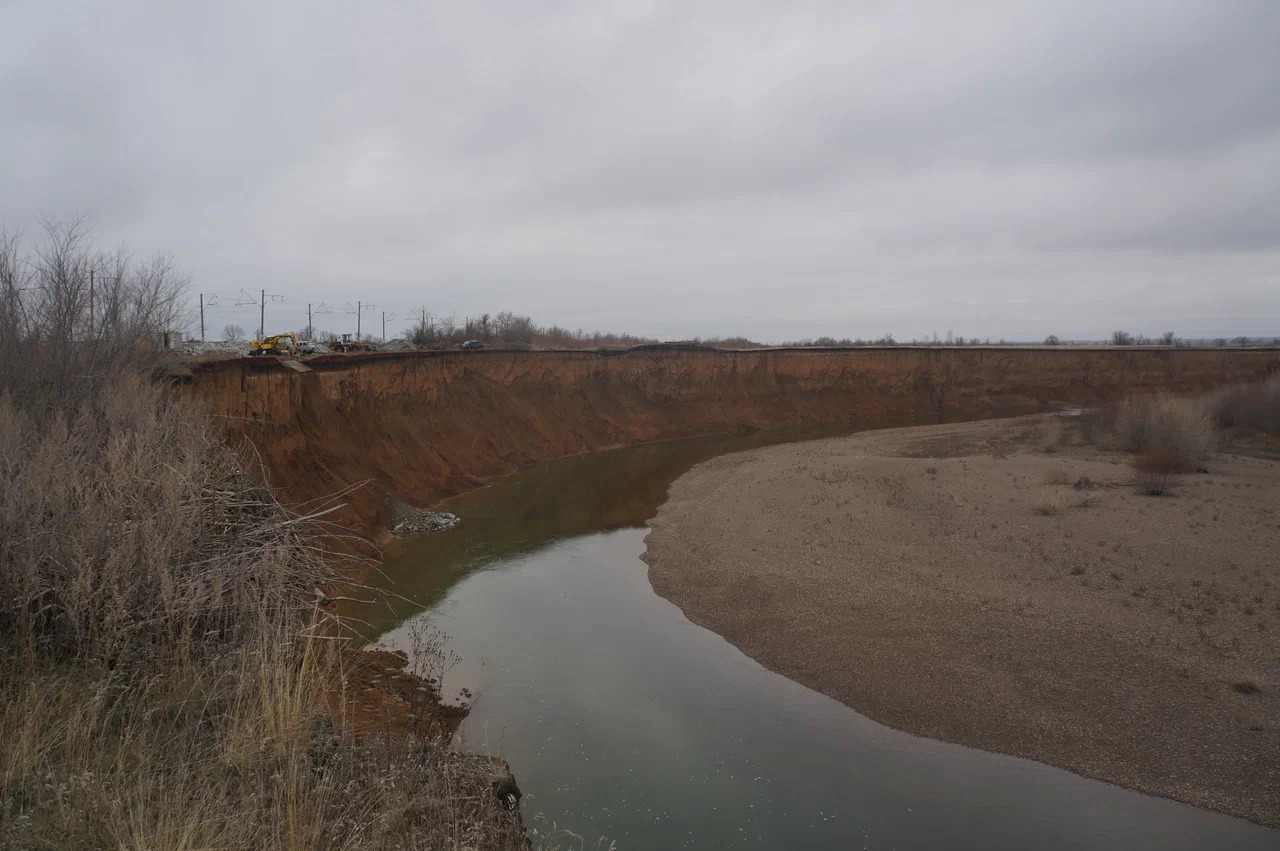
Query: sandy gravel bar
[{"x": 934, "y": 580}]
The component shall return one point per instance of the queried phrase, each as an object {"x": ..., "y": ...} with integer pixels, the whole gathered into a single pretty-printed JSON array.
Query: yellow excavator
[{"x": 279, "y": 344}]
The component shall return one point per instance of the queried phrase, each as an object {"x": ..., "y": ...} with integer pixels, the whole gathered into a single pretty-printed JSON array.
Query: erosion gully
[{"x": 623, "y": 720}]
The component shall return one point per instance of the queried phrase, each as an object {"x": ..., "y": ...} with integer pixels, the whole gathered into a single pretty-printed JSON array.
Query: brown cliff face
[{"x": 424, "y": 426}]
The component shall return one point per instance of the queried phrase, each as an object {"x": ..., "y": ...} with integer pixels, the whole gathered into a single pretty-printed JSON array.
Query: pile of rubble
[
  {"x": 423, "y": 522},
  {"x": 233, "y": 348}
]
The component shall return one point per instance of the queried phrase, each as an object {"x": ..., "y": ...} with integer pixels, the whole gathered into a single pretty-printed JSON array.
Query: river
[{"x": 623, "y": 720}]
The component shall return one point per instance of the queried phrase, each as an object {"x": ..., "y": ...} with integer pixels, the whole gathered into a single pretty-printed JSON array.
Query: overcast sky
[{"x": 779, "y": 169}]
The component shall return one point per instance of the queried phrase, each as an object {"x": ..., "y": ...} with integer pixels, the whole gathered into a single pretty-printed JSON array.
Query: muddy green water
[{"x": 621, "y": 719}]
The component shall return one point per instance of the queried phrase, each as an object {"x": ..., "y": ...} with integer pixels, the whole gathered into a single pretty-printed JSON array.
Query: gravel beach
[{"x": 1003, "y": 586}]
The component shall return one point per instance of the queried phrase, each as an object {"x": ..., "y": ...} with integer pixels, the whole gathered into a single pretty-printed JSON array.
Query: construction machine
[
  {"x": 349, "y": 343},
  {"x": 279, "y": 344}
]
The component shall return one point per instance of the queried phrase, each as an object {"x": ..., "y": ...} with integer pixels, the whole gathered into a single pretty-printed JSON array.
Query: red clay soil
[
  {"x": 424, "y": 426},
  {"x": 377, "y": 694}
]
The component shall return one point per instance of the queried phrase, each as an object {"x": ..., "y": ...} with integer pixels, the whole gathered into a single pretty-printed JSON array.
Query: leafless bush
[
  {"x": 1155, "y": 469},
  {"x": 232, "y": 333},
  {"x": 1251, "y": 406},
  {"x": 1177, "y": 428}
]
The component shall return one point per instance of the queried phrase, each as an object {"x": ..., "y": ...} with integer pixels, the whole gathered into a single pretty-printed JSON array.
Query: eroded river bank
[{"x": 622, "y": 719}]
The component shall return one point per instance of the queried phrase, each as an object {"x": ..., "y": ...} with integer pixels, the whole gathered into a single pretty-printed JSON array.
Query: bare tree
[
  {"x": 1052, "y": 340},
  {"x": 70, "y": 313},
  {"x": 232, "y": 333}
]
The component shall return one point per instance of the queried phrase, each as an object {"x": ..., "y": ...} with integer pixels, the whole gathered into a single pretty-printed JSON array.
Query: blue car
[{"x": 472, "y": 344}]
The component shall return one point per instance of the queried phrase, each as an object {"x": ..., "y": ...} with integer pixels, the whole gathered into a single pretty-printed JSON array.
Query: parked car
[{"x": 472, "y": 344}]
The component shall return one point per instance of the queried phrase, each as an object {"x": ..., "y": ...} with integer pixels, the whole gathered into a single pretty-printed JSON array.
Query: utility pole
[
  {"x": 261, "y": 301},
  {"x": 91, "y": 304},
  {"x": 426, "y": 336},
  {"x": 358, "y": 310},
  {"x": 392, "y": 317},
  {"x": 213, "y": 302},
  {"x": 320, "y": 309}
]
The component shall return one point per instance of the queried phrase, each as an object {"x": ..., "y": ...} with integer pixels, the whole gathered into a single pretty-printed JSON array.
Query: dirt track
[{"x": 931, "y": 579}]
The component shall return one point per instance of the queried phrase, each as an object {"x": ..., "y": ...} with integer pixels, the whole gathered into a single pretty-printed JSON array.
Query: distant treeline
[{"x": 509, "y": 329}]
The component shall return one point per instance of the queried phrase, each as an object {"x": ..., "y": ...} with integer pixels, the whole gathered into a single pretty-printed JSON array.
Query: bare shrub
[
  {"x": 1155, "y": 469},
  {"x": 233, "y": 333},
  {"x": 1122, "y": 338},
  {"x": 1176, "y": 428},
  {"x": 1251, "y": 406}
]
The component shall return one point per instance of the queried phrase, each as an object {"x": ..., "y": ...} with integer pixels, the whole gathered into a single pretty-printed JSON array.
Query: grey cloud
[{"x": 674, "y": 168}]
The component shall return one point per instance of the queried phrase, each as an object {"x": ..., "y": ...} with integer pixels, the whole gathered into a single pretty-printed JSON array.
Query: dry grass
[
  {"x": 163, "y": 685},
  {"x": 1056, "y": 476},
  {"x": 164, "y": 679},
  {"x": 1047, "y": 505}
]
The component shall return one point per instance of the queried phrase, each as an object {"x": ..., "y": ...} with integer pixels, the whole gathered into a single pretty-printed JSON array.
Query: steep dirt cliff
[{"x": 423, "y": 426}]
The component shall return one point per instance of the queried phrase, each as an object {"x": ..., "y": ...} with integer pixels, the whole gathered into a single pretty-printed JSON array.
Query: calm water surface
[{"x": 622, "y": 719}]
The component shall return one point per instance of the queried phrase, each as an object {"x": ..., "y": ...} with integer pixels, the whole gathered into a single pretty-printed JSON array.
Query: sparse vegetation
[
  {"x": 1051, "y": 436},
  {"x": 1047, "y": 505},
  {"x": 1056, "y": 476}
]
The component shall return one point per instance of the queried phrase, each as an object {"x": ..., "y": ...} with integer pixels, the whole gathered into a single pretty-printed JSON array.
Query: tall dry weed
[
  {"x": 1181, "y": 429},
  {"x": 162, "y": 682}
]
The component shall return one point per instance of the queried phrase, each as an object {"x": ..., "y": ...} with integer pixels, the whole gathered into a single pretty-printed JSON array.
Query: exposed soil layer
[
  {"x": 956, "y": 582},
  {"x": 424, "y": 426}
]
